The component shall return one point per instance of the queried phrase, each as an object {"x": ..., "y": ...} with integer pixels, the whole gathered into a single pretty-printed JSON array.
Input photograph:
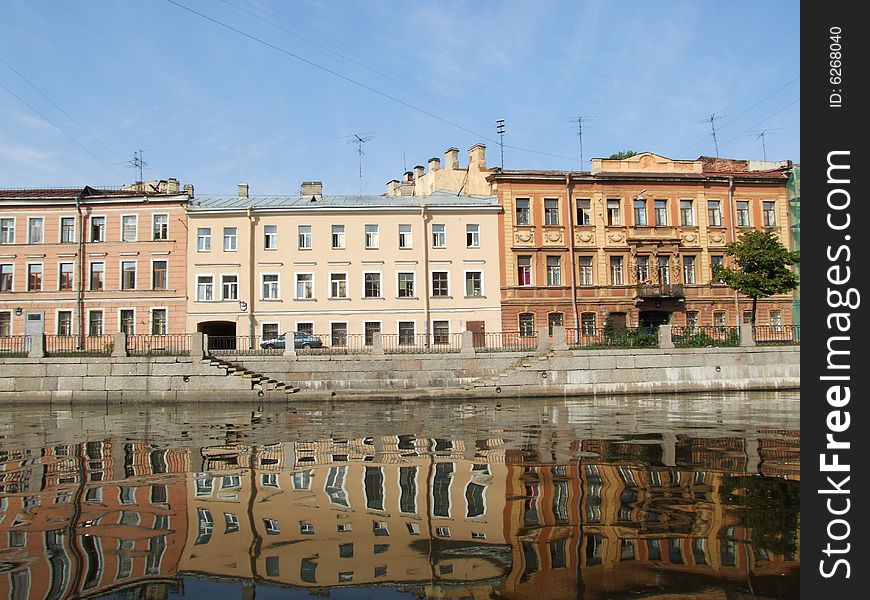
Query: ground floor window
[
  {"x": 720, "y": 318},
  {"x": 406, "y": 332},
  {"x": 555, "y": 320},
  {"x": 64, "y": 322},
  {"x": 776, "y": 320},
  {"x": 158, "y": 321},
  {"x": 270, "y": 331},
  {"x": 307, "y": 328},
  {"x": 5, "y": 324},
  {"x": 441, "y": 332},
  {"x": 527, "y": 324},
  {"x": 338, "y": 331},
  {"x": 587, "y": 323},
  {"x": 371, "y": 329},
  {"x": 128, "y": 322},
  {"x": 692, "y": 319},
  {"x": 747, "y": 316},
  {"x": 95, "y": 322}
]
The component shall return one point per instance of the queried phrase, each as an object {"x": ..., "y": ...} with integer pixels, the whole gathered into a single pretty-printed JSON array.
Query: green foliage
[
  {"x": 702, "y": 339},
  {"x": 770, "y": 508},
  {"x": 622, "y": 154},
  {"x": 760, "y": 267},
  {"x": 631, "y": 338}
]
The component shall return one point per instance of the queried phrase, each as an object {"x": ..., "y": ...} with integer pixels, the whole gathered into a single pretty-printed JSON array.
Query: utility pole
[{"x": 499, "y": 127}]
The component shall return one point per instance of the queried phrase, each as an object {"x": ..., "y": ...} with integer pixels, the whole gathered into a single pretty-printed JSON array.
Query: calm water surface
[{"x": 641, "y": 497}]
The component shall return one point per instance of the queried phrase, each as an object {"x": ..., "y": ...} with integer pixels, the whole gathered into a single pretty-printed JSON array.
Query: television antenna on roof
[
  {"x": 712, "y": 119},
  {"x": 578, "y": 121},
  {"x": 359, "y": 139},
  {"x": 761, "y": 133},
  {"x": 137, "y": 163}
]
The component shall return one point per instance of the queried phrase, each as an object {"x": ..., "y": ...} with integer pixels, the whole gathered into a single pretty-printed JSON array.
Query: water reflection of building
[{"x": 446, "y": 517}]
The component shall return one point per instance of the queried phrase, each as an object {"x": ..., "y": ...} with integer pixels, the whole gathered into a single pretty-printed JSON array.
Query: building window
[
  {"x": 664, "y": 264},
  {"x": 65, "y": 276},
  {"x": 159, "y": 275},
  {"x": 551, "y": 211},
  {"x": 776, "y": 320},
  {"x": 524, "y": 270},
  {"x": 440, "y": 285},
  {"x": 687, "y": 215},
  {"x": 307, "y": 328},
  {"x": 406, "y": 335},
  {"x": 372, "y": 237},
  {"x": 338, "y": 285},
  {"x": 305, "y": 237},
  {"x": 692, "y": 319},
  {"x": 689, "y": 270},
  {"x": 269, "y": 331},
  {"x": 769, "y": 213},
  {"x": 584, "y": 211},
  {"x": 231, "y": 238},
  {"x": 161, "y": 227},
  {"x": 587, "y": 323},
  {"x": 372, "y": 285},
  {"x": 129, "y": 228},
  {"x": 406, "y": 285},
  {"x": 64, "y": 322},
  {"x": 67, "y": 230},
  {"x": 338, "y": 236},
  {"x": 640, "y": 212},
  {"x": 527, "y": 324},
  {"x": 304, "y": 286},
  {"x": 614, "y": 214},
  {"x": 270, "y": 237},
  {"x": 128, "y": 322},
  {"x": 229, "y": 287},
  {"x": 714, "y": 213},
  {"x": 616, "y": 276},
  {"x": 523, "y": 214},
  {"x": 747, "y": 316},
  {"x": 554, "y": 270},
  {"x": 158, "y": 321},
  {"x": 473, "y": 284},
  {"x": 35, "y": 230},
  {"x": 97, "y": 276},
  {"x": 338, "y": 332},
  {"x": 715, "y": 260},
  {"x": 205, "y": 288},
  {"x": 34, "y": 278},
  {"x": 743, "y": 213},
  {"x": 203, "y": 239},
  {"x": 472, "y": 235},
  {"x": 554, "y": 320},
  {"x": 440, "y": 332},
  {"x": 6, "y": 271},
  {"x": 95, "y": 322},
  {"x": 270, "y": 286},
  {"x": 128, "y": 275},
  {"x": 371, "y": 329},
  {"x": 642, "y": 272},
  {"x": 720, "y": 318},
  {"x": 6, "y": 323},
  {"x": 7, "y": 231},
  {"x": 98, "y": 229},
  {"x": 661, "y": 212},
  {"x": 439, "y": 235},
  {"x": 585, "y": 270}
]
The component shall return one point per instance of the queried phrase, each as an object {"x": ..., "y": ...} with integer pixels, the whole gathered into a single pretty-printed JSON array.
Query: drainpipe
[
  {"x": 733, "y": 239},
  {"x": 252, "y": 276},
  {"x": 425, "y": 272},
  {"x": 80, "y": 258},
  {"x": 571, "y": 257}
]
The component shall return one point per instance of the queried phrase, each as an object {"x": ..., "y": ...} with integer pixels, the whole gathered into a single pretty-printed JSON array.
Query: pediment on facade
[{"x": 645, "y": 162}]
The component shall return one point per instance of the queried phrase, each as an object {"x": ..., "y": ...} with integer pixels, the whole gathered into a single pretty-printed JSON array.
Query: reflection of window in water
[
  {"x": 381, "y": 571},
  {"x": 205, "y": 526},
  {"x": 334, "y": 486},
  {"x": 675, "y": 553},
  {"x": 159, "y": 494},
  {"x": 345, "y": 550},
  {"x": 130, "y": 518},
  {"x": 231, "y": 481},
  {"x": 232, "y": 522},
  {"x": 21, "y": 584},
  {"x": 442, "y": 531},
  {"x": 406, "y": 442},
  {"x": 272, "y": 526},
  {"x": 478, "y": 535},
  {"x": 156, "y": 549},
  {"x": 442, "y": 445},
  {"x": 346, "y": 576},
  {"x": 204, "y": 485},
  {"x": 558, "y": 557},
  {"x": 408, "y": 485},
  {"x": 413, "y": 528},
  {"x": 125, "y": 560},
  {"x": 480, "y": 469},
  {"x": 654, "y": 549},
  {"x": 381, "y": 548},
  {"x": 626, "y": 550},
  {"x": 560, "y": 502},
  {"x": 308, "y": 570},
  {"x": 474, "y": 498},
  {"x": 530, "y": 515},
  {"x": 302, "y": 480},
  {"x": 128, "y": 495},
  {"x": 270, "y": 480},
  {"x": 272, "y": 566},
  {"x": 627, "y": 476},
  {"x": 594, "y": 549},
  {"x": 59, "y": 561},
  {"x": 306, "y": 528},
  {"x": 728, "y": 548},
  {"x": 441, "y": 489},
  {"x": 93, "y": 547},
  {"x": 627, "y": 499},
  {"x": 380, "y": 528},
  {"x": 699, "y": 551},
  {"x": 530, "y": 558},
  {"x": 445, "y": 569},
  {"x": 374, "y": 488}
]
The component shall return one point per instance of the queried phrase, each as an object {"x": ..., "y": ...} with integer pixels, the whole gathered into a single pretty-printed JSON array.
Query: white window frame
[
  {"x": 738, "y": 212},
  {"x": 406, "y": 238},
  {"x": 60, "y": 219},
  {"x": 203, "y": 237},
  {"x": 380, "y": 275},
  {"x": 657, "y": 212},
  {"x": 297, "y": 327},
  {"x": 305, "y": 236},
  {"x": 346, "y": 285},
  {"x": 118, "y": 315},
  {"x": 432, "y": 284},
  {"x": 270, "y": 239},
  {"x": 234, "y": 237},
  {"x": 135, "y": 230},
  {"x": 580, "y": 280},
  {"x": 121, "y": 274},
  {"x": 196, "y": 287},
  {"x": 12, "y": 286},
  {"x": 449, "y": 329},
  {"x": 105, "y": 219},
  {"x": 91, "y": 264},
  {"x": 614, "y": 222},
  {"x": 41, "y": 276},
  {"x": 530, "y": 218},
  {"x": 765, "y": 213},
  {"x": 151, "y": 319},
  {"x": 717, "y": 204},
  {"x": 439, "y": 235},
  {"x": 621, "y": 270},
  {"x": 223, "y": 297},
  {"x": 72, "y": 321},
  {"x": 11, "y": 323},
  {"x": 412, "y": 322},
  {"x": 413, "y": 284},
  {"x": 13, "y": 232},
  {"x": 296, "y": 286},
  {"x": 558, "y": 212},
  {"x": 694, "y": 271},
  {"x": 584, "y": 215},
  {"x": 692, "y": 221},
  {"x": 154, "y": 237},
  {"x": 102, "y": 320},
  {"x": 531, "y": 266},
  {"x": 371, "y": 239},
  {"x": 465, "y": 273},
  {"x": 547, "y": 267},
  {"x": 277, "y": 325},
  {"x": 474, "y": 233},
  {"x": 277, "y": 283},
  {"x": 151, "y": 274},
  {"x": 42, "y": 233},
  {"x": 337, "y": 230},
  {"x": 346, "y": 332}
]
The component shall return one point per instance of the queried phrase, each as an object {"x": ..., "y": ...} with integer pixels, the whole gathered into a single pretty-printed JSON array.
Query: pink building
[{"x": 91, "y": 262}]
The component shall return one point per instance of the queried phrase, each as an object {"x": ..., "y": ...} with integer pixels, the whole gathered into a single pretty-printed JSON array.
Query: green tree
[
  {"x": 622, "y": 154},
  {"x": 760, "y": 267}
]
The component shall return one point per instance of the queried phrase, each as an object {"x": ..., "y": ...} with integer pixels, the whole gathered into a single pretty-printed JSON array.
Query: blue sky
[{"x": 212, "y": 107}]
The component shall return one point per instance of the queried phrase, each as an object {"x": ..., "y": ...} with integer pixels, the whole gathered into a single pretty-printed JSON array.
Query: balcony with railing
[{"x": 660, "y": 290}]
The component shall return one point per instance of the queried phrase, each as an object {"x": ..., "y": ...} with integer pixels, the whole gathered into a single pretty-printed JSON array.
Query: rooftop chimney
[
  {"x": 312, "y": 188},
  {"x": 243, "y": 190},
  {"x": 477, "y": 156},
  {"x": 419, "y": 170},
  {"x": 172, "y": 185},
  {"x": 188, "y": 189},
  {"x": 393, "y": 187},
  {"x": 451, "y": 158},
  {"x": 409, "y": 177},
  {"x": 434, "y": 164}
]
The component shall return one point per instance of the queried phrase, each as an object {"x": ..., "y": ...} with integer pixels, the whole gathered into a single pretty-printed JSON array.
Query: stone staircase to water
[{"x": 258, "y": 380}]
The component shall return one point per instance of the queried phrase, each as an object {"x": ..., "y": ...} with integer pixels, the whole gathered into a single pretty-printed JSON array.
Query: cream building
[{"x": 344, "y": 267}]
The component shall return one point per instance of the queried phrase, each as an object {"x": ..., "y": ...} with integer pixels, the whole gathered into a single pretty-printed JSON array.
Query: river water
[{"x": 689, "y": 496}]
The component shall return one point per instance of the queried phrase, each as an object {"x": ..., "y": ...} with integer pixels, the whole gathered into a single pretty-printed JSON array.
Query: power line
[
  {"x": 763, "y": 120},
  {"x": 356, "y": 82},
  {"x": 71, "y": 138}
]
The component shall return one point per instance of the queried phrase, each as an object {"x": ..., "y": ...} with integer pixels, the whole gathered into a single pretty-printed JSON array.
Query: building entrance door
[{"x": 478, "y": 328}]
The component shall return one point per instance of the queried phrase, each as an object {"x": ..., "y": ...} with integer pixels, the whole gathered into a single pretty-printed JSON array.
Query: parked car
[{"x": 300, "y": 340}]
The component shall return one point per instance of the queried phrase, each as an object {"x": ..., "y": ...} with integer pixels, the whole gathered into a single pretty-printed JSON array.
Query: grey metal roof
[{"x": 298, "y": 202}]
